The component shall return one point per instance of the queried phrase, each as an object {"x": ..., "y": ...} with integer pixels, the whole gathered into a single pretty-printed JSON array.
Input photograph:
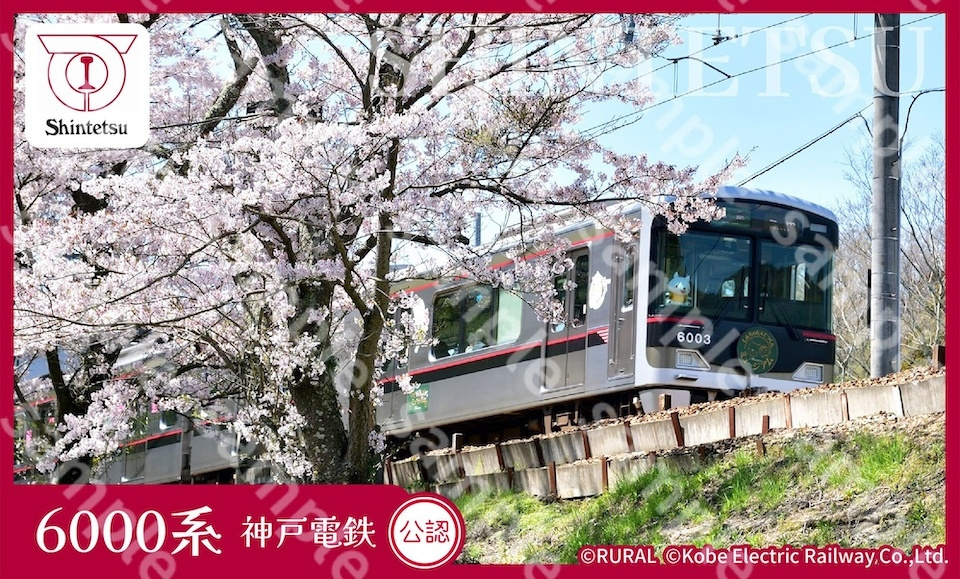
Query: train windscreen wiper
[
  {"x": 785, "y": 320},
  {"x": 723, "y": 307},
  {"x": 777, "y": 311}
]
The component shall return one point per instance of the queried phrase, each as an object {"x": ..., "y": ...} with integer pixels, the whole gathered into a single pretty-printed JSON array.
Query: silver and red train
[{"x": 737, "y": 305}]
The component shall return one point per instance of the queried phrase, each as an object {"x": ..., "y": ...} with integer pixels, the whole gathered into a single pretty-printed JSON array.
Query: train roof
[
  {"x": 724, "y": 192},
  {"x": 729, "y": 191},
  {"x": 512, "y": 238}
]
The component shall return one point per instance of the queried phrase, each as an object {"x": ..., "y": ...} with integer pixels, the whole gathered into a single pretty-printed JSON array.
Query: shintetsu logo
[{"x": 87, "y": 86}]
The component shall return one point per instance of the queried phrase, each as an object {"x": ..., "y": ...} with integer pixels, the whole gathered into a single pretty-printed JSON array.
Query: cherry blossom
[{"x": 295, "y": 161}]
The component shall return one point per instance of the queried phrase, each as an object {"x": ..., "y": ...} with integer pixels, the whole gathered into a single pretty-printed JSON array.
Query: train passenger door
[
  {"x": 566, "y": 346},
  {"x": 623, "y": 317}
]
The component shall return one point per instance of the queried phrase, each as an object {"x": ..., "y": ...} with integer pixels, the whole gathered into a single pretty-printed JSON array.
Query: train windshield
[
  {"x": 705, "y": 274},
  {"x": 795, "y": 281},
  {"x": 713, "y": 274}
]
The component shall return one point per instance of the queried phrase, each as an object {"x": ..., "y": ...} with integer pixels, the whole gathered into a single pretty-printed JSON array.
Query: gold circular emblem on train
[{"x": 757, "y": 350}]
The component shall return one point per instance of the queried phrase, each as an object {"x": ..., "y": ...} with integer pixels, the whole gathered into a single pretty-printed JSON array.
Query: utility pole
[
  {"x": 885, "y": 229},
  {"x": 478, "y": 221}
]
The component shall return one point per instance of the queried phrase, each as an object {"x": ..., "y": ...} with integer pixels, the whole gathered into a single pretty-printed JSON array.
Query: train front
[{"x": 741, "y": 304}]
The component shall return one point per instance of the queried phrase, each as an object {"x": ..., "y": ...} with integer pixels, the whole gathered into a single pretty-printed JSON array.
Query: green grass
[
  {"x": 742, "y": 498},
  {"x": 880, "y": 459}
]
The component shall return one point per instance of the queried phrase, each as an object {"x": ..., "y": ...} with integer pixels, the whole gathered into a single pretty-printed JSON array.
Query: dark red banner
[{"x": 381, "y": 530}]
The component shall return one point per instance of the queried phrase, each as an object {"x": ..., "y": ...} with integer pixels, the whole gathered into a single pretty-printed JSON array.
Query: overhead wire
[
  {"x": 672, "y": 60},
  {"x": 635, "y": 116},
  {"x": 805, "y": 146},
  {"x": 828, "y": 132}
]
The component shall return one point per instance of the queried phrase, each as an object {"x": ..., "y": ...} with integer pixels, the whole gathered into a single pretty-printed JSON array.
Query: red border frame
[{"x": 19, "y": 505}]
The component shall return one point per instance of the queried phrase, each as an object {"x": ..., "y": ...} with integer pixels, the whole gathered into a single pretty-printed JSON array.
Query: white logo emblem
[
  {"x": 87, "y": 85},
  {"x": 426, "y": 532},
  {"x": 598, "y": 290}
]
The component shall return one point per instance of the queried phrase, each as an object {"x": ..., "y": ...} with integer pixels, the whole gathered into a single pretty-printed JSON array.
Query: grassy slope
[{"x": 866, "y": 487}]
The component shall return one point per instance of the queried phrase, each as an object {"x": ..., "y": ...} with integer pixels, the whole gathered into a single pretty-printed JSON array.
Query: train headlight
[
  {"x": 809, "y": 372},
  {"x": 691, "y": 359}
]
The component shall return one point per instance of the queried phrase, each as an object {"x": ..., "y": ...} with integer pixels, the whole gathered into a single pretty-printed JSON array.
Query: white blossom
[{"x": 256, "y": 243}]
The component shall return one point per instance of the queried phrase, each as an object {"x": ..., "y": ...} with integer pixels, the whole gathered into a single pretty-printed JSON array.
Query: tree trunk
[
  {"x": 362, "y": 417},
  {"x": 323, "y": 437},
  {"x": 362, "y": 411},
  {"x": 70, "y": 402}
]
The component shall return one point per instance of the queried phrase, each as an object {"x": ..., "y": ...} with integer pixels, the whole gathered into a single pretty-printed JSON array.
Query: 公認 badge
[{"x": 87, "y": 86}]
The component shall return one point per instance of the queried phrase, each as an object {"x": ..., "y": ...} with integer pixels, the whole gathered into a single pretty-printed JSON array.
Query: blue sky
[{"x": 772, "y": 112}]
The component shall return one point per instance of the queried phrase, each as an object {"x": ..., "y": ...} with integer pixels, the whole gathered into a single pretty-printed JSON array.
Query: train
[
  {"x": 734, "y": 306},
  {"x": 164, "y": 447}
]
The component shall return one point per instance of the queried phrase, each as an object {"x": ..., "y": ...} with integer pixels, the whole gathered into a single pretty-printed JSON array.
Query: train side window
[
  {"x": 560, "y": 286},
  {"x": 47, "y": 412},
  {"x": 168, "y": 419},
  {"x": 134, "y": 463},
  {"x": 575, "y": 306},
  {"x": 478, "y": 318},
  {"x": 581, "y": 277},
  {"x": 509, "y": 312},
  {"x": 446, "y": 325},
  {"x": 463, "y": 321},
  {"x": 398, "y": 323},
  {"x": 629, "y": 282},
  {"x": 473, "y": 318}
]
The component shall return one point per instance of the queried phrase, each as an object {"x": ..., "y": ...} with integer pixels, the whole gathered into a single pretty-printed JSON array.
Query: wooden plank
[
  {"x": 552, "y": 474},
  {"x": 604, "y": 473},
  {"x": 765, "y": 428},
  {"x": 539, "y": 449},
  {"x": 939, "y": 356},
  {"x": 460, "y": 469},
  {"x": 665, "y": 402},
  {"x": 677, "y": 429},
  {"x": 787, "y": 412}
]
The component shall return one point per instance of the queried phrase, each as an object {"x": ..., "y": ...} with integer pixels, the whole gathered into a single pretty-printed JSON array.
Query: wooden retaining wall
[{"x": 585, "y": 463}]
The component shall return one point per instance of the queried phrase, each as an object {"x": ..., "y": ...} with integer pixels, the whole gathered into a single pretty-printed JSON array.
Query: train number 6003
[{"x": 691, "y": 338}]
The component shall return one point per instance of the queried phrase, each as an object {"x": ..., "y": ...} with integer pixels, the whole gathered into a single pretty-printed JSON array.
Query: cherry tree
[{"x": 292, "y": 159}]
